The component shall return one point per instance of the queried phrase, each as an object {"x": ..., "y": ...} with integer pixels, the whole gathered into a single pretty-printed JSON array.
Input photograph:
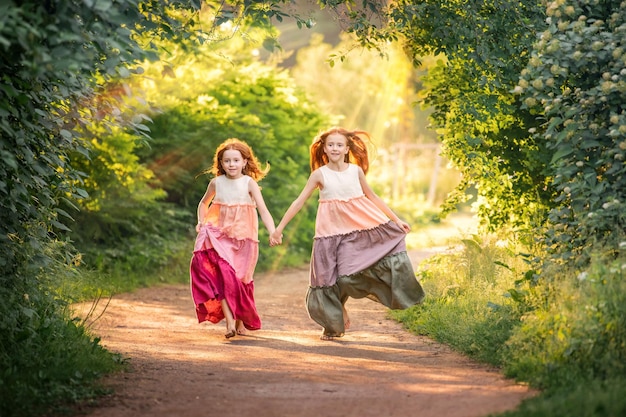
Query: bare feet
[
  {"x": 241, "y": 329},
  {"x": 230, "y": 320}
]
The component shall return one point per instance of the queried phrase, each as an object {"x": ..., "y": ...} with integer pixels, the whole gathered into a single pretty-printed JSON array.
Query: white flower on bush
[
  {"x": 597, "y": 45},
  {"x": 582, "y": 276},
  {"x": 622, "y": 245}
]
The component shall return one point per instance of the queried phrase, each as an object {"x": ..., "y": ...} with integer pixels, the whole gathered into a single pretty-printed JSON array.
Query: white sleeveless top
[
  {"x": 341, "y": 185},
  {"x": 229, "y": 191}
]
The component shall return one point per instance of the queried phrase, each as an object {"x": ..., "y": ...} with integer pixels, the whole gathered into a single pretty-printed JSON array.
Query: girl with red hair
[
  {"x": 227, "y": 246},
  {"x": 359, "y": 245}
]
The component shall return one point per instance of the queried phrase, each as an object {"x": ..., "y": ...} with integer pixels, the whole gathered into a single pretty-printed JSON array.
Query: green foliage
[
  {"x": 576, "y": 330},
  {"x": 120, "y": 198},
  {"x": 46, "y": 357},
  {"x": 598, "y": 398},
  {"x": 483, "y": 47},
  {"x": 468, "y": 305},
  {"x": 50, "y": 61},
  {"x": 122, "y": 227},
  {"x": 135, "y": 263},
  {"x": 575, "y": 80}
]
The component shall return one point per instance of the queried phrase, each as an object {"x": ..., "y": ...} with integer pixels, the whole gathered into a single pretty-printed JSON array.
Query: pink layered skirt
[{"x": 222, "y": 267}]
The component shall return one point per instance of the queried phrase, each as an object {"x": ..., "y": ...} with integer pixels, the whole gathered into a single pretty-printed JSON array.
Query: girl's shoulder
[{"x": 318, "y": 173}]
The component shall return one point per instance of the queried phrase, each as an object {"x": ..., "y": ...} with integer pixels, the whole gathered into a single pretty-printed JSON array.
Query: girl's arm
[
  {"x": 203, "y": 206},
  {"x": 315, "y": 181},
  {"x": 266, "y": 217},
  {"x": 369, "y": 193}
]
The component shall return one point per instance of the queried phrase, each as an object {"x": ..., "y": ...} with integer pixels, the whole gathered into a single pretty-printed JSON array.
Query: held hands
[
  {"x": 404, "y": 226},
  {"x": 276, "y": 238}
]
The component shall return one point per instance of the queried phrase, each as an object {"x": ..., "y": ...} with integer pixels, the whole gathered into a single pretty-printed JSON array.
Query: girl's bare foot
[
  {"x": 230, "y": 320},
  {"x": 230, "y": 333},
  {"x": 241, "y": 329}
]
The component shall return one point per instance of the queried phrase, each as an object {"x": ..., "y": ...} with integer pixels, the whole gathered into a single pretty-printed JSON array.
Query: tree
[{"x": 484, "y": 45}]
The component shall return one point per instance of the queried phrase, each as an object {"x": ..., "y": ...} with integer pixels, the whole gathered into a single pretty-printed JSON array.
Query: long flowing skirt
[
  {"x": 369, "y": 263},
  {"x": 213, "y": 280}
]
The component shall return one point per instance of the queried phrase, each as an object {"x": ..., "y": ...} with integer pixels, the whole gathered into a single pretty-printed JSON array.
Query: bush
[
  {"x": 577, "y": 328},
  {"x": 468, "y": 304},
  {"x": 47, "y": 359}
]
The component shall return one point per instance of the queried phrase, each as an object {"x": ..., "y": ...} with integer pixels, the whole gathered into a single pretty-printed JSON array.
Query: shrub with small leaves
[{"x": 576, "y": 80}]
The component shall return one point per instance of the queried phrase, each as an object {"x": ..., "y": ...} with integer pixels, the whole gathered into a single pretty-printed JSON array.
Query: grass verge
[{"x": 563, "y": 332}]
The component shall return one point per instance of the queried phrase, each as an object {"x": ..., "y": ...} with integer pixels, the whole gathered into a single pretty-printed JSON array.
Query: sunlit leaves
[{"x": 485, "y": 45}]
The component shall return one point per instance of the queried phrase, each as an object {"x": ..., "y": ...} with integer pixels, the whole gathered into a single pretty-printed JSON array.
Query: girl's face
[
  {"x": 336, "y": 147},
  {"x": 233, "y": 163}
]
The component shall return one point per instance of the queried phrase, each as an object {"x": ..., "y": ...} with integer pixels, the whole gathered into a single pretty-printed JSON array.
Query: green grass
[
  {"x": 47, "y": 359},
  {"x": 467, "y": 304},
  {"x": 596, "y": 398},
  {"x": 563, "y": 333}
]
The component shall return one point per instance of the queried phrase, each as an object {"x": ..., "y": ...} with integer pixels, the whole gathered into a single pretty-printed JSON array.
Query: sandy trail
[{"x": 182, "y": 368}]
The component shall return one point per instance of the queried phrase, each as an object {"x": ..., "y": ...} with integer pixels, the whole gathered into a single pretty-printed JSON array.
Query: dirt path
[{"x": 182, "y": 368}]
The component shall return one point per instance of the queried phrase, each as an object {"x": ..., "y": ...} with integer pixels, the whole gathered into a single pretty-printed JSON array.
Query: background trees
[{"x": 483, "y": 47}]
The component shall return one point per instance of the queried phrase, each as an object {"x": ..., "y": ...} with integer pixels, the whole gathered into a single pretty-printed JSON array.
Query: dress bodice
[
  {"x": 232, "y": 191},
  {"x": 341, "y": 185}
]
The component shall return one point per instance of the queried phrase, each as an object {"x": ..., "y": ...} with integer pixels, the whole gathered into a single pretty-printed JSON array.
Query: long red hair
[
  {"x": 357, "y": 141},
  {"x": 252, "y": 168}
]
